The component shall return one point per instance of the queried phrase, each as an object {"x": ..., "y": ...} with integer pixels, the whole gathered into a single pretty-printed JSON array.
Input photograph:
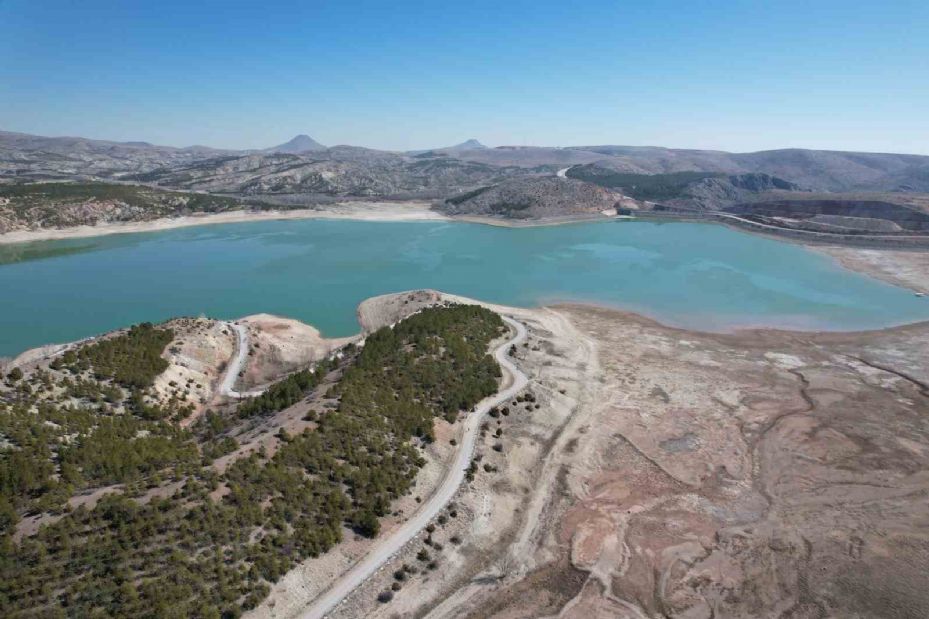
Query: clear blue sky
[{"x": 736, "y": 76}]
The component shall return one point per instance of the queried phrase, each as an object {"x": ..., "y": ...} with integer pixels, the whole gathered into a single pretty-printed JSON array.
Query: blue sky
[{"x": 737, "y": 76}]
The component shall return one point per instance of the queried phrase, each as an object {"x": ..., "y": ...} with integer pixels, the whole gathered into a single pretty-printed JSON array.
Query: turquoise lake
[{"x": 694, "y": 275}]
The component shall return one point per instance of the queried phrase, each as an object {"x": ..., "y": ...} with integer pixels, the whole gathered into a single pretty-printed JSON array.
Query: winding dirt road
[
  {"x": 236, "y": 365},
  {"x": 386, "y": 548}
]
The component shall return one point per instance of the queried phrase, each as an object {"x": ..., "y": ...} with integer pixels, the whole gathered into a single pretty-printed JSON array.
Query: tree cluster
[{"x": 213, "y": 547}]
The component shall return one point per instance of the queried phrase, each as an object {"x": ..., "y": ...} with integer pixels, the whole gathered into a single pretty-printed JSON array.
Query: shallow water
[{"x": 694, "y": 275}]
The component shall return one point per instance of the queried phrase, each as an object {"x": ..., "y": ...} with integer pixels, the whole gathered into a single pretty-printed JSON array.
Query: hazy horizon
[
  {"x": 735, "y": 77},
  {"x": 437, "y": 146}
]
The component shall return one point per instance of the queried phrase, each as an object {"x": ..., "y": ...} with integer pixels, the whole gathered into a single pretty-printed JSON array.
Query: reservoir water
[{"x": 694, "y": 275}]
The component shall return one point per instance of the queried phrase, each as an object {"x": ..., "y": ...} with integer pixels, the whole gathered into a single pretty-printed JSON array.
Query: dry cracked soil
[
  {"x": 760, "y": 474},
  {"x": 670, "y": 473}
]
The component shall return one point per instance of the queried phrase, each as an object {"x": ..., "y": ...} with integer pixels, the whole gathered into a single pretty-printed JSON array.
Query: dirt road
[
  {"x": 389, "y": 546},
  {"x": 236, "y": 365}
]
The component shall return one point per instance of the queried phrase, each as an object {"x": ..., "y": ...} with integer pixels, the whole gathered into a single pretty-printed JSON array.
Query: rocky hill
[
  {"x": 31, "y": 156},
  {"x": 37, "y": 157},
  {"x": 62, "y": 205},
  {"x": 340, "y": 171},
  {"x": 114, "y": 446},
  {"x": 702, "y": 190},
  {"x": 302, "y": 171},
  {"x": 818, "y": 170},
  {"x": 534, "y": 198},
  {"x": 717, "y": 192}
]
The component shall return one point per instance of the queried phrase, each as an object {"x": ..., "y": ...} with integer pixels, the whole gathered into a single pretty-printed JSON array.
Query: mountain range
[
  {"x": 303, "y": 171},
  {"x": 28, "y": 156}
]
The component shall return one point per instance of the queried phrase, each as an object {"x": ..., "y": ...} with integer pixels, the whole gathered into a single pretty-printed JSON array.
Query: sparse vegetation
[
  {"x": 652, "y": 187},
  {"x": 286, "y": 392},
  {"x": 58, "y": 205}
]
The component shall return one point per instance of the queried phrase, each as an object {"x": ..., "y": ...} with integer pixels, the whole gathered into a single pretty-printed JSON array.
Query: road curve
[
  {"x": 563, "y": 172},
  {"x": 387, "y": 547},
  {"x": 236, "y": 365}
]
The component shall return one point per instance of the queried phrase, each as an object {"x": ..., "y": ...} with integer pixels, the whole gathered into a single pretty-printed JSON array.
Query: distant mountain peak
[
  {"x": 465, "y": 146},
  {"x": 471, "y": 144},
  {"x": 299, "y": 144}
]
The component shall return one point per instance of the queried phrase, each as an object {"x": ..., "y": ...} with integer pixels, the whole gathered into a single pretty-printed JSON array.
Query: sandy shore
[{"x": 363, "y": 211}]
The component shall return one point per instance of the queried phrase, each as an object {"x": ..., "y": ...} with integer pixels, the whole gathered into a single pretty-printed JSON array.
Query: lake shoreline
[
  {"x": 361, "y": 211},
  {"x": 906, "y": 267},
  {"x": 374, "y": 211},
  {"x": 402, "y": 251}
]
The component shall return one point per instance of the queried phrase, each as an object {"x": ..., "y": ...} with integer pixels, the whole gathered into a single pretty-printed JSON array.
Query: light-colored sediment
[
  {"x": 33, "y": 356},
  {"x": 680, "y": 473},
  {"x": 909, "y": 269},
  {"x": 502, "y": 222},
  {"x": 196, "y": 357},
  {"x": 763, "y": 473},
  {"x": 362, "y": 211},
  {"x": 357, "y": 211},
  {"x": 279, "y": 345}
]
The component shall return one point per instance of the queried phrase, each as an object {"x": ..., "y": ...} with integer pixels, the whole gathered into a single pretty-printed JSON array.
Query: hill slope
[
  {"x": 33, "y": 156},
  {"x": 534, "y": 198},
  {"x": 303, "y": 167},
  {"x": 819, "y": 170},
  {"x": 339, "y": 171},
  {"x": 63, "y": 205}
]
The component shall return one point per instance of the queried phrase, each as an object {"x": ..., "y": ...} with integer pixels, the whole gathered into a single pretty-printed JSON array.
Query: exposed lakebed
[{"x": 694, "y": 275}]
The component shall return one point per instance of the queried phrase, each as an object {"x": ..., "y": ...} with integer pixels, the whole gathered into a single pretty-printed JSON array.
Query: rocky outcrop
[
  {"x": 340, "y": 171},
  {"x": 535, "y": 198},
  {"x": 717, "y": 192}
]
